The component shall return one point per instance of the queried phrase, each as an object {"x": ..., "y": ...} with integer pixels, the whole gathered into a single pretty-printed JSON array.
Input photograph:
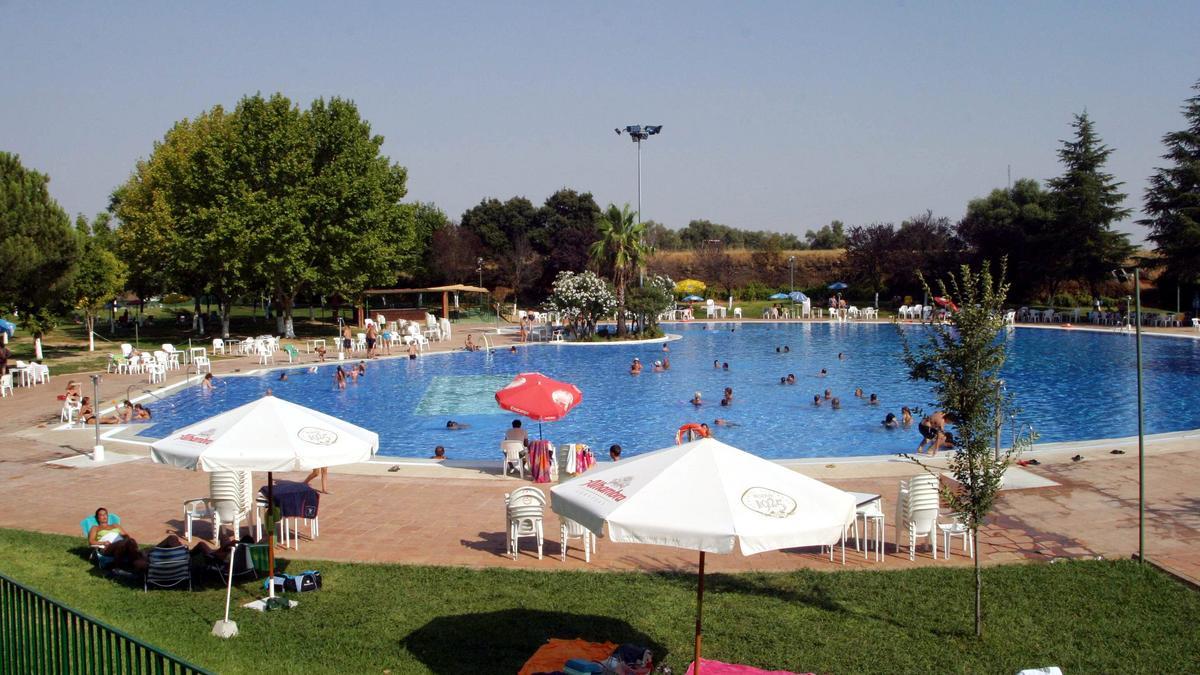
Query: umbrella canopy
[
  {"x": 706, "y": 496},
  {"x": 797, "y": 296},
  {"x": 539, "y": 397},
  {"x": 269, "y": 434},
  {"x": 778, "y": 296},
  {"x": 690, "y": 286},
  {"x": 692, "y": 298},
  {"x": 838, "y": 286},
  {"x": 8, "y": 327},
  {"x": 945, "y": 302}
]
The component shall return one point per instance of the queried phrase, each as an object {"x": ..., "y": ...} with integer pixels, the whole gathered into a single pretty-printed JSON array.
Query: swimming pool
[{"x": 1070, "y": 385}]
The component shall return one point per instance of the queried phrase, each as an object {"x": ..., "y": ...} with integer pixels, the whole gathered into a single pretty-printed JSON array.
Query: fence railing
[{"x": 39, "y": 635}]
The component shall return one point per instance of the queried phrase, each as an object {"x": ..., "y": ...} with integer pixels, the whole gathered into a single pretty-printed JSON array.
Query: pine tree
[
  {"x": 1173, "y": 200},
  {"x": 1087, "y": 202}
]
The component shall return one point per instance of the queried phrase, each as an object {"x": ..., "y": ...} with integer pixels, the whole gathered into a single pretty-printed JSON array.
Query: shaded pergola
[{"x": 417, "y": 313}]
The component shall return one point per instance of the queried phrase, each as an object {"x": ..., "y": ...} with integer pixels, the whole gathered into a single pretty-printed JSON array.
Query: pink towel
[
  {"x": 711, "y": 667},
  {"x": 539, "y": 460}
]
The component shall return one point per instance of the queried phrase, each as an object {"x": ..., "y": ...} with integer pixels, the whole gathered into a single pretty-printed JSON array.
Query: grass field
[{"x": 1086, "y": 617}]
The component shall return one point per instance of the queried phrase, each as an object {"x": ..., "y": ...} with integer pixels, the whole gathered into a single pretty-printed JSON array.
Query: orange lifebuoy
[{"x": 690, "y": 429}]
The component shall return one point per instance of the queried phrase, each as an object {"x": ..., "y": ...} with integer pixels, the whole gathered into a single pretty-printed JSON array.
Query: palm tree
[{"x": 622, "y": 249}]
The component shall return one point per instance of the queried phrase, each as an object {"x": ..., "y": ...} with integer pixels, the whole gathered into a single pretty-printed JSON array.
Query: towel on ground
[
  {"x": 555, "y": 653},
  {"x": 711, "y": 667}
]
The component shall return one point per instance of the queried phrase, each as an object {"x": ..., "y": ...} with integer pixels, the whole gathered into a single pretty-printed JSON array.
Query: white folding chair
[
  {"x": 512, "y": 457},
  {"x": 573, "y": 530},
  {"x": 524, "y": 511}
]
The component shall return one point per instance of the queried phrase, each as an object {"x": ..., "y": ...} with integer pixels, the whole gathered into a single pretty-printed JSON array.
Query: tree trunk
[
  {"x": 289, "y": 303},
  {"x": 621, "y": 283},
  {"x": 37, "y": 347},
  {"x": 978, "y": 584},
  {"x": 90, "y": 320},
  {"x": 225, "y": 307}
]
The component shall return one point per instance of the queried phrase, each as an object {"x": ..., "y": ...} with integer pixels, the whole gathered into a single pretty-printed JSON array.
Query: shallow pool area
[{"x": 1070, "y": 385}]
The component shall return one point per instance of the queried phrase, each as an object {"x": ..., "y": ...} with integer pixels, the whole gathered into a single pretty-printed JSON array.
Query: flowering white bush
[
  {"x": 645, "y": 303},
  {"x": 582, "y": 298}
]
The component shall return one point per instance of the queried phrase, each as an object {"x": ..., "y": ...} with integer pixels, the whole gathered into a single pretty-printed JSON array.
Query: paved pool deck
[{"x": 425, "y": 513}]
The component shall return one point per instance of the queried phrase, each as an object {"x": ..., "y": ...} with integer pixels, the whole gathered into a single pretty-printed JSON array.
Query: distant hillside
[{"x": 813, "y": 268}]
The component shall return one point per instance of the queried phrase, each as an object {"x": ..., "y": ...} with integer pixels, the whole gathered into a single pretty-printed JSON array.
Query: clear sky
[{"x": 777, "y": 116}]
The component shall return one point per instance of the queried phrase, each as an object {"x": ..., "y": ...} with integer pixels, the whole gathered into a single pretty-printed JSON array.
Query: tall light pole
[
  {"x": 637, "y": 134},
  {"x": 1122, "y": 275},
  {"x": 98, "y": 448},
  {"x": 792, "y": 274}
]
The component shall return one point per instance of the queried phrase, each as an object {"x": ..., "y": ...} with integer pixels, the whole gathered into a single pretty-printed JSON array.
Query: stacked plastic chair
[
  {"x": 231, "y": 497},
  {"x": 917, "y": 512}
]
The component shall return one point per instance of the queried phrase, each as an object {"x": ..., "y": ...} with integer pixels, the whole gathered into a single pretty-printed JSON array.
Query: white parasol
[{"x": 706, "y": 496}]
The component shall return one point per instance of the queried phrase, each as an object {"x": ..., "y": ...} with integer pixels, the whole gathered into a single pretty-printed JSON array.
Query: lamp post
[
  {"x": 1122, "y": 275},
  {"x": 97, "y": 449},
  {"x": 637, "y": 134},
  {"x": 792, "y": 274}
]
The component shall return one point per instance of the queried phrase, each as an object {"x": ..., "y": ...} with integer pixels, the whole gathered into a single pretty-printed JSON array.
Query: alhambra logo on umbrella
[
  {"x": 613, "y": 489},
  {"x": 202, "y": 437}
]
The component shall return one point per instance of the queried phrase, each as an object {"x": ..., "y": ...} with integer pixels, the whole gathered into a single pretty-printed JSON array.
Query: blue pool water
[{"x": 1069, "y": 385}]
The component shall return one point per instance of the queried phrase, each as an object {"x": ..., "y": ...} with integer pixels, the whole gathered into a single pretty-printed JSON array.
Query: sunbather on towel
[{"x": 126, "y": 554}]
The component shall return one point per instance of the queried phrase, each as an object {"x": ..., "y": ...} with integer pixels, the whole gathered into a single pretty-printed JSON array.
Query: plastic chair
[
  {"x": 573, "y": 530},
  {"x": 6, "y": 387},
  {"x": 524, "y": 508},
  {"x": 956, "y": 529},
  {"x": 229, "y": 502},
  {"x": 512, "y": 457},
  {"x": 218, "y": 346}
]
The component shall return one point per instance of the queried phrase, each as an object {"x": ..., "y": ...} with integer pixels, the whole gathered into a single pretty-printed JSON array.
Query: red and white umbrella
[
  {"x": 946, "y": 303},
  {"x": 539, "y": 397}
]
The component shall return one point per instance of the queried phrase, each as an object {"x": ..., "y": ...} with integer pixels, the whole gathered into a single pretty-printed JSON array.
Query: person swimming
[
  {"x": 828, "y": 394},
  {"x": 817, "y": 400},
  {"x": 456, "y": 426},
  {"x": 635, "y": 368},
  {"x": 283, "y": 377},
  {"x": 722, "y": 422},
  {"x": 858, "y": 393},
  {"x": 658, "y": 366},
  {"x": 791, "y": 378},
  {"x": 906, "y": 417},
  {"x": 696, "y": 400},
  {"x": 823, "y": 373},
  {"x": 874, "y": 399},
  {"x": 890, "y": 422},
  {"x": 836, "y": 403}
]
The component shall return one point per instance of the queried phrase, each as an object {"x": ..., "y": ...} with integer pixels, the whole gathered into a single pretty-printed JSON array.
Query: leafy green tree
[
  {"x": 565, "y": 228},
  {"x": 39, "y": 251},
  {"x": 647, "y": 301},
  {"x": 1173, "y": 201},
  {"x": 870, "y": 251},
  {"x": 924, "y": 243},
  {"x": 963, "y": 360},
  {"x": 621, "y": 250},
  {"x": 1014, "y": 224},
  {"x": 1087, "y": 202},
  {"x": 100, "y": 276},
  {"x": 499, "y": 224},
  {"x": 828, "y": 237},
  {"x": 454, "y": 255},
  {"x": 365, "y": 234},
  {"x": 662, "y": 238},
  {"x": 426, "y": 219},
  {"x": 179, "y": 229}
]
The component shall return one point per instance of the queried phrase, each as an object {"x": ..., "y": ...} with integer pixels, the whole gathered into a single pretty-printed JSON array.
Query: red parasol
[
  {"x": 945, "y": 302},
  {"x": 539, "y": 397}
]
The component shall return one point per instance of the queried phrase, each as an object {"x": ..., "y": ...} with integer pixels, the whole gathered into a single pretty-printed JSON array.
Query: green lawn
[{"x": 1083, "y": 616}]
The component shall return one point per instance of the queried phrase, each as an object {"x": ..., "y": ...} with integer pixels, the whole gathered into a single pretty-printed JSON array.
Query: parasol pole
[
  {"x": 270, "y": 535},
  {"x": 699, "y": 614}
]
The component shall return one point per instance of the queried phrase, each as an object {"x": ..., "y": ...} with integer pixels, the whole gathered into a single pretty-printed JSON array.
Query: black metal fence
[{"x": 39, "y": 635}]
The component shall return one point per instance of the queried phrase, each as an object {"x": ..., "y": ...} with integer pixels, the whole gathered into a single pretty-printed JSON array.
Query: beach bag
[
  {"x": 303, "y": 582},
  {"x": 630, "y": 659}
]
